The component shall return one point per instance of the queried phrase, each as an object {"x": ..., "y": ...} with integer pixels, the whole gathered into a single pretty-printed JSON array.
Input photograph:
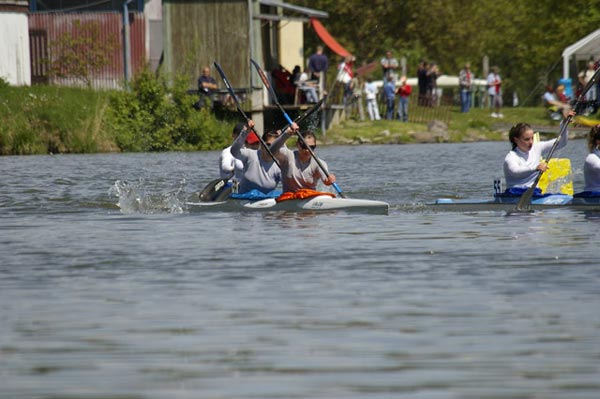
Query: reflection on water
[{"x": 111, "y": 288}]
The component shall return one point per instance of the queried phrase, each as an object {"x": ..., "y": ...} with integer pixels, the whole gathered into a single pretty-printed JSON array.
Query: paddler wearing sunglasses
[{"x": 299, "y": 169}]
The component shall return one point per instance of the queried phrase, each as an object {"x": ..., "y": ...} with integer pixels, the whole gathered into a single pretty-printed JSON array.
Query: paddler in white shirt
[
  {"x": 523, "y": 163},
  {"x": 298, "y": 168},
  {"x": 260, "y": 172},
  {"x": 229, "y": 166},
  {"x": 591, "y": 167}
]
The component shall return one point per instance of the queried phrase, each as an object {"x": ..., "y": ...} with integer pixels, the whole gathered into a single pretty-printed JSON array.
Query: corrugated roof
[{"x": 309, "y": 12}]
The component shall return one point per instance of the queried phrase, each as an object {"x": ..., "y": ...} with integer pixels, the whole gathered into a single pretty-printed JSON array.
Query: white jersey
[
  {"x": 591, "y": 171},
  {"x": 229, "y": 165},
  {"x": 296, "y": 174},
  {"x": 520, "y": 168}
]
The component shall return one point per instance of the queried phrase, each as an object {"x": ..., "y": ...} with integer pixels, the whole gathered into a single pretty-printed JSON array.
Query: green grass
[
  {"x": 41, "y": 119},
  {"x": 477, "y": 124}
]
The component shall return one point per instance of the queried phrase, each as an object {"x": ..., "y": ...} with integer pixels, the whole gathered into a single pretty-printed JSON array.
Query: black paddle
[
  {"x": 241, "y": 111},
  {"x": 525, "y": 200},
  {"x": 267, "y": 84}
]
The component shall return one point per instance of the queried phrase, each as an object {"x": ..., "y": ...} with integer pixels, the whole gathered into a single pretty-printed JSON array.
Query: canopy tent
[
  {"x": 585, "y": 49},
  {"x": 442, "y": 81},
  {"x": 327, "y": 38}
]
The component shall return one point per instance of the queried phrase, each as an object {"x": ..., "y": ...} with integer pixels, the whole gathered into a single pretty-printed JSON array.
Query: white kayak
[
  {"x": 500, "y": 203},
  {"x": 318, "y": 203}
]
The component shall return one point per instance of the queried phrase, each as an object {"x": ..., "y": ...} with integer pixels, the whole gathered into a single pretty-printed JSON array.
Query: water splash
[
  {"x": 312, "y": 123},
  {"x": 134, "y": 198}
]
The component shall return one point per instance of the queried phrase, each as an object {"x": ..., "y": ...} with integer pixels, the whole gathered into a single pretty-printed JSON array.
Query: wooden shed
[{"x": 199, "y": 32}]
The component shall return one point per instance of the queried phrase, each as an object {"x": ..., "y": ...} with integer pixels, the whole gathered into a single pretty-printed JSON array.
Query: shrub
[{"x": 154, "y": 116}]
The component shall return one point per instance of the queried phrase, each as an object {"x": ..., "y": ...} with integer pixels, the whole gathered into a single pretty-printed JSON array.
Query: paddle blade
[
  {"x": 558, "y": 177},
  {"x": 223, "y": 76},
  {"x": 212, "y": 189},
  {"x": 339, "y": 190},
  {"x": 525, "y": 200},
  {"x": 262, "y": 75}
]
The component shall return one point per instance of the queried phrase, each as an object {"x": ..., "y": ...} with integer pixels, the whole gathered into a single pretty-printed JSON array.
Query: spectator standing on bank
[
  {"x": 356, "y": 102},
  {"x": 494, "y": 82},
  {"x": 465, "y": 80},
  {"x": 317, "y": 65},
  {"x": 345, "y": 75},
  {"x": 389, "y": 90},
  {"x": 403, "y": 93},
  {"x": 432, "y": 93},
  {"x": 371, "y": 97},
  {"x": 389, "y": 65},
  {"x": 422, "y": 82}
]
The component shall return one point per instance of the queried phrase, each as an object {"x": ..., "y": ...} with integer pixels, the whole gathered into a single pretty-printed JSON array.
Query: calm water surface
[{"x": 146, "y": 299}]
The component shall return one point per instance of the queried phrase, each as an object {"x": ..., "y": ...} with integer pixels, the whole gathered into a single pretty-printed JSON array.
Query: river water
[{"x": 146, "y": 299}]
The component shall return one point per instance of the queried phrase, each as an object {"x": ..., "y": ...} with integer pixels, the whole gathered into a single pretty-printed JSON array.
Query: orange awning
[{"x": 327, "y": 38}]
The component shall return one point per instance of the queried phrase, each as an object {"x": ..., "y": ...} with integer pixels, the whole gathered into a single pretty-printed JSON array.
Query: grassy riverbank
[
  {"x": 152, "y": 117},
  {"x": 476, "y": 125}
]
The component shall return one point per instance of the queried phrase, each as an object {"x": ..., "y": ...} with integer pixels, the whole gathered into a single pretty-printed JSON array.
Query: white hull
[
  {"x": 510, "y": 203},
  {"x": 315, "y": 204}
]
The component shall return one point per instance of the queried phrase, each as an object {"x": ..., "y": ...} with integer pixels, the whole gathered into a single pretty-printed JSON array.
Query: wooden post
[
  {"x": 403, "y": 66},
  {"x": 486, "y": 71}
]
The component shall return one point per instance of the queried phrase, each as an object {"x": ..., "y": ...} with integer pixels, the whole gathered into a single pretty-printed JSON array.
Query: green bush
[
  {"x": 154, "y": 116},
  {"x": 151, "y": 116}
]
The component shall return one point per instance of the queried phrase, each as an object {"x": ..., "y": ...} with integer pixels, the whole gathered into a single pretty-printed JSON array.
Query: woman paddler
[
  {"x": 260, "y": 172},
  {"x": 591, "y": 167},
  {"x": 523, "y": 163},
  {"x": 299, "y": 170}
]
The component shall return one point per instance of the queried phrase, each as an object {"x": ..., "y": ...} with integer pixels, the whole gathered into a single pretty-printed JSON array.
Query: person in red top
[{"x": 403, "y": 91}]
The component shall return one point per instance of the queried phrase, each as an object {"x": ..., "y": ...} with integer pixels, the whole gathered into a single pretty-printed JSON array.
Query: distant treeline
[
  {"x": 524, "y": 38},
  {"x": 152, "y": 116}
]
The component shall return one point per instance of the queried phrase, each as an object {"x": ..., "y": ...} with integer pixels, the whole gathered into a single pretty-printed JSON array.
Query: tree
[
  {"x": 79, "y": 52},
  {"x": 525, "y": 38}
]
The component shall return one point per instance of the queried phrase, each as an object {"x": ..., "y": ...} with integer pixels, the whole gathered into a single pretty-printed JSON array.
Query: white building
[{"x": 15, "y": 65}]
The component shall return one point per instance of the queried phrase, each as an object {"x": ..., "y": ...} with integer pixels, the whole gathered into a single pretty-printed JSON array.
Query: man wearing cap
[
  {"x": 252, "y": 141},
  {"x": 229, "y": 166},
  {"x": 260, "y": 170}
]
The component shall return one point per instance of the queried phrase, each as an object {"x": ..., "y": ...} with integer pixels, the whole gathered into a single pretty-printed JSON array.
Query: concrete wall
[{"x": 15, "y": 64}]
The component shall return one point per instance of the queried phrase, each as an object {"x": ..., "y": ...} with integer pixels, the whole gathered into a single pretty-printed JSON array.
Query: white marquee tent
[{"x": 582, "y": 50}]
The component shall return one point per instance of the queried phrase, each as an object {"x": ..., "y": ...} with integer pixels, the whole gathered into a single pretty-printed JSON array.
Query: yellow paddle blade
[
  {"x": 557, "y": 179},
  {"x": 584, "y": 121}
]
